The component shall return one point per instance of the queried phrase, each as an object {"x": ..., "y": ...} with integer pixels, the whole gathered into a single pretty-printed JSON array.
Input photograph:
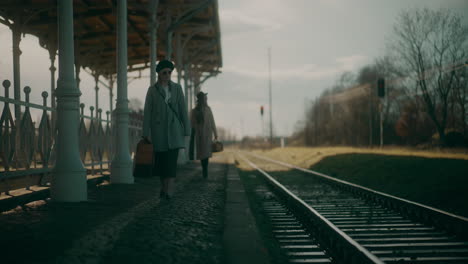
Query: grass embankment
[
  {"x": 441, "y": 183},
  {"x": 437, "y": 179}
]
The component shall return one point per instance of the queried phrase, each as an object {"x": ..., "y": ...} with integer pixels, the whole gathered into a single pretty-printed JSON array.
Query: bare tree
[
  {"x": 429, "y": 44},
  {"x": 461, "y": 99},
  {"x": 135, "y": 105}
]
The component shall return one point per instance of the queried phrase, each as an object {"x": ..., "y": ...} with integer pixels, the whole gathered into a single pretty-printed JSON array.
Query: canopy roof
[{"x": 195, "y": 21}]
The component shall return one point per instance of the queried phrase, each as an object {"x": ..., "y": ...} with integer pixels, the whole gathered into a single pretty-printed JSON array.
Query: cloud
[
  {"x": 350, "y": 62},
  {"x": 255, "y": 16},
  {"x": 304, "y": 72},
  {"x": 235, "y": 22}
]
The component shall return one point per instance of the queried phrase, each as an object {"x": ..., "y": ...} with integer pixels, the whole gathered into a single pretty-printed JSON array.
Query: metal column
[
  {"x": 16, "y": 30},
  {"x": 169, "y": 37},
  {"x": 96, "y": 88},
  {"x": 187, "y": 96},
  {"x": 52, "y": 55},
  {"x": 69, "y": 175},
  {"x": 111, "y": 93},
  {"x": 121, "y": 169},
  {"x": 153, "y": 40}
]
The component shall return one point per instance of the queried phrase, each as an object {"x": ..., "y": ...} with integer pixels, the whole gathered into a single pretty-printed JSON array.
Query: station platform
[{"x": 206, "y": 221}]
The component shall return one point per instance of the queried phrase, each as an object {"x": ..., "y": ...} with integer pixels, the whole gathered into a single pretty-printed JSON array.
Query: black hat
[
  {"x": 164, "y": 64},
  {"x": 201, "y": 95}
]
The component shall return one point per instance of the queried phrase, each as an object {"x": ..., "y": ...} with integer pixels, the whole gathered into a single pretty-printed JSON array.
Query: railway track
[{"x": 335, "y": 221}]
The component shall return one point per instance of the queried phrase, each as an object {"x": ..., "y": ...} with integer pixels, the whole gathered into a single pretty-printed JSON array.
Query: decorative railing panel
[
  {"x": 7, "y": 131},
  {"x": 27, "y": 136},
  {"x": 45, "y": 138},
  {"x": 28, "y": 149}
]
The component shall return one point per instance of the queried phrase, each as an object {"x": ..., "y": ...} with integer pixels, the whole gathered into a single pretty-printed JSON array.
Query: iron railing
[{"x": 28, "y": 149}]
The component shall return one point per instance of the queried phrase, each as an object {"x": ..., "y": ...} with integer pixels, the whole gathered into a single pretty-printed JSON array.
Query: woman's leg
[
  {"x": 158, "y": 170},
  {"x": 166, "y": 185},
  {"x": 172, "y": 167},
  {"x": 204, "y": 163},
  {"x": 170, "y": 186},
  {"x": 162, "y": 192}
]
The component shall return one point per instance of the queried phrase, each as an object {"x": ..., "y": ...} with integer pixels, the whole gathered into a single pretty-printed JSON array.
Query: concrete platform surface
[{"x": 206, "y": 221}]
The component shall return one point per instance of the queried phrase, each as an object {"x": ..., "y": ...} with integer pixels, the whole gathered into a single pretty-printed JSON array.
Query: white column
[
  {"x": 69, "y": 175},
  {"x": 77, "y": 64},
  {"x": 52, "y": 54},
  {"x": 190, "y": 84},
  {"x": 169, "y": 36},
  {"x": 77, "y": 74},
  {"x": 190, "y": 93},
  {"x": 178, "y": 59},
  {"x": 187, "y": 96},
  {"x": 96, "y": 88},
  {"x": 121, "y": 168},
  {"x": 16, "y": 30},
  {"x": 183, "y": 153},
  {"x": 153, "y": 40},
  {"x": 111, "y": 94}
]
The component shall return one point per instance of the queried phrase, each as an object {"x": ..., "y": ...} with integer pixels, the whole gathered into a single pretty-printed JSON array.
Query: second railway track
[{"x": 355, "y": 224}]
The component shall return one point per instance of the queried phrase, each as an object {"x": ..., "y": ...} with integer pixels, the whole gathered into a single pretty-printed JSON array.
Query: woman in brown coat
[{"x": 204, "y": 126}]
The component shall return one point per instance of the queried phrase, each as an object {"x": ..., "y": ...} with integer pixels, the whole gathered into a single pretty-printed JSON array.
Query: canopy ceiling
[{"x": 195, "y": 21}]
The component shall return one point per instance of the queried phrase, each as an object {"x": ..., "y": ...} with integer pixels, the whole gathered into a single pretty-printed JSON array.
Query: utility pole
[
  {"x": 242, "y": 127},
  {"x": 263, "y": 125},
  {"x": 269, "y": 88},
  {"x": 370, "y": 116}
]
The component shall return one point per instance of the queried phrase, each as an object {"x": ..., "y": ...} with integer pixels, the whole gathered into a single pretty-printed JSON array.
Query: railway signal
[{"x": 381, "y": 87}]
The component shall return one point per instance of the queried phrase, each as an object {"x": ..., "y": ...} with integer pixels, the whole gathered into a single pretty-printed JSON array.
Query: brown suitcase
[{"x": 143, "y": 159}]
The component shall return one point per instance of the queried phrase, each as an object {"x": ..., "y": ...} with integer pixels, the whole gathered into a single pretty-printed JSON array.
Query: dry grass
[{"x": 306, "y": 157}]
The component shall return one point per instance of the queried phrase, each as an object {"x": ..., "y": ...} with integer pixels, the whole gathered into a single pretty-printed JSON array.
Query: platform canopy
[{"x": 194, "y": 24}]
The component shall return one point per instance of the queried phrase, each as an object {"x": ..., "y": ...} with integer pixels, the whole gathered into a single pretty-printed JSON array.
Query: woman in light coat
[
  {"x": 204, "y": 126},
  {"x": 165, "y": 124}
]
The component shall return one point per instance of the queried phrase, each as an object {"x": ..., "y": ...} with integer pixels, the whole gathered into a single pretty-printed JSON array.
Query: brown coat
[{"x": 203, "y": 134}]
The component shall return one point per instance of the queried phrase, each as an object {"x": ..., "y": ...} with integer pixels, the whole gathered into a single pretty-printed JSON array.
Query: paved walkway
[{"x": 130, "y": 224}]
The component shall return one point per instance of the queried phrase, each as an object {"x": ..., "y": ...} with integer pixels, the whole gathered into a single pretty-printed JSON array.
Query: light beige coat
[{"x": 203, "y": 134}]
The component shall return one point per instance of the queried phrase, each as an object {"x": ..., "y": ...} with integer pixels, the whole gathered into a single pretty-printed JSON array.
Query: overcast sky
[{"x": 312, "y": 42}]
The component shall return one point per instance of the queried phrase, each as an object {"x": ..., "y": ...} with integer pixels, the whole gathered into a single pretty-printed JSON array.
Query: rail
[
  {"x": 343, "y": 246},
  {"x": 392, "y": 229},
  {"x": 454, "y": 224}
]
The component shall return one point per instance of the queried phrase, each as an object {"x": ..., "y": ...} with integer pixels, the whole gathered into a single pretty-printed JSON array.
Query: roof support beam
[
  {"x": 200, "y": 51},
  {"x": 95, "y": 27},
  {"x": 42, "y": 21},
  {"x": 186, "y": 17},
  {"x": 135, "y": 29},
  {"x": 4, "y": 22},
  {"x": 189, "y": 15}
]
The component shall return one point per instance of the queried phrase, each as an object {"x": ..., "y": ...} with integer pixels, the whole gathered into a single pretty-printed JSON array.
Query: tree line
[{"x": 426, "y": 90}]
